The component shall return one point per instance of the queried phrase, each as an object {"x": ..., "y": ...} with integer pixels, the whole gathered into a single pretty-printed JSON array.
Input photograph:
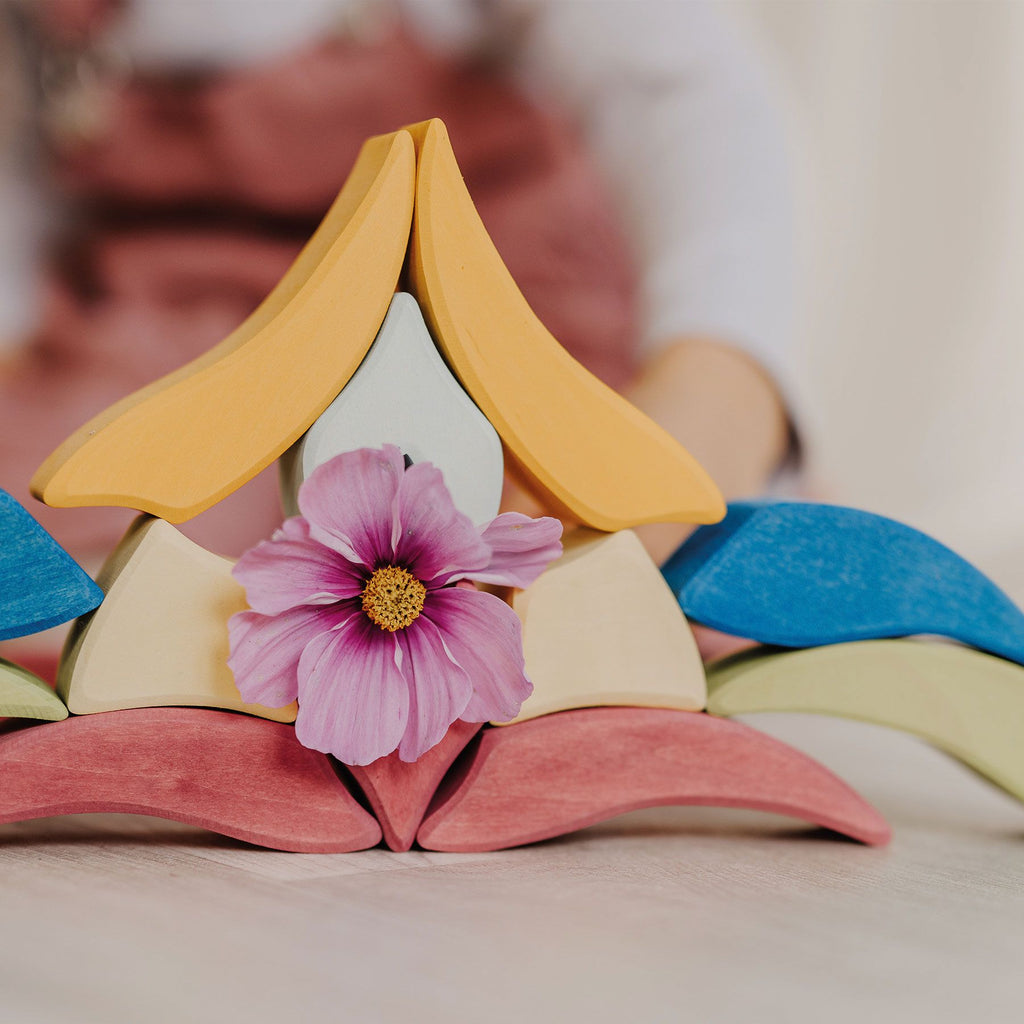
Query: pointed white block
[
  {"x": 404, "y": 394},
  {"x": 160, "y": 637},
  {"x": 601, "y": 627}
]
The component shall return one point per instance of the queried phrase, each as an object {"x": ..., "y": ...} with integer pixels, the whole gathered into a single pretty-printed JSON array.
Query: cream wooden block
[
  {"x": 160, "y": 637},
  {"x": 404, "y": 394},
  {"x": 586, "y": 450},
  {"x": 182, "y": 443},
  {"x": 601, "y": 627}
]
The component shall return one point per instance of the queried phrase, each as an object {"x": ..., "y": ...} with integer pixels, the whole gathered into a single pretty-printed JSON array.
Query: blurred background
[
  {"x": 905, "y": 121},
  {"x": 909, "y": 119}
]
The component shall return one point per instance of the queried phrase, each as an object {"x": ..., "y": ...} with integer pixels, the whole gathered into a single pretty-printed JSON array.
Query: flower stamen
[{"x": 393, "y": 598}]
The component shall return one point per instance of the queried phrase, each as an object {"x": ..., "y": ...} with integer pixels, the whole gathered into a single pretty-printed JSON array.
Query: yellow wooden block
[
  {"x": 583, "y": 447},
  {"x": 184, "y": 442},
  {"x": 160, "y": 637},
  {"x": 601, "y": 627}
]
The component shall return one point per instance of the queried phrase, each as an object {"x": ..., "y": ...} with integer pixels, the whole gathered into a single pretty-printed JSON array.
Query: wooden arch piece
[
  {"x": 584, "y": 448},
  {"x": 601, "y": 627},
  {"x": 160, "y": 638},
  {"x": 242, "y": 777},
  {"x": 403, "y": 394},
  {"x": 798, "y": 574},
  {"x": 969, "y": 704},
  {"x": 41, "y": 585},
  {"x": 560, "y": 773},
  {"x": 24, "y": 695},
  {"x": 184, "y": 442},
  {"x": 400, "y": 793}
]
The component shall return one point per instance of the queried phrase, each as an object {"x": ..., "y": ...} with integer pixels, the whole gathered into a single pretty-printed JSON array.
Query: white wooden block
[
  {"x": 601, "y": 627},
  {"x": 404, "y": 394}
]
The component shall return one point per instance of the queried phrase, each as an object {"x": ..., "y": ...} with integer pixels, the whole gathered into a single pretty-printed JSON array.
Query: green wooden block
[
  {"x": 965, "y": 702},
  {"x": 24, "y": 695}
]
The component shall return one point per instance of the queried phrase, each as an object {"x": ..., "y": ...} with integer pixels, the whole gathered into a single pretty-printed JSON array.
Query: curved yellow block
[
  {"x": 601, "y": 627},
  {"x": 184, "y": 442},
  {"x": 24, "y": 695},
  {"x": 582, "y": 446},
  {"x": 965, "y": 702},
  {"x": 160, "y": 637}
]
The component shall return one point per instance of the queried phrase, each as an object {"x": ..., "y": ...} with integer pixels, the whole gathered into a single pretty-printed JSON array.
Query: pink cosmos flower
[{"x": 356, "y": 613}]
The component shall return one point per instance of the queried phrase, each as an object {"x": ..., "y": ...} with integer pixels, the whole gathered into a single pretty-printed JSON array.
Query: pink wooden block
[
  {"x": 556, "y": 774},
  {"x": 400, "y": 793},
  {"x": 242, "y": 776}
]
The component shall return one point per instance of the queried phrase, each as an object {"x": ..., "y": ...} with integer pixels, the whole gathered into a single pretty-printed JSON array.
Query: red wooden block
[
  {"x": 242, "y": 776},
  {"x": 400, "y": 793},
  {"x": 556, "y": 774}
]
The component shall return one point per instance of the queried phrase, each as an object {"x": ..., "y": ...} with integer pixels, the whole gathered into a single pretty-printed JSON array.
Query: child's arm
[{"x": 720, "y": 404}]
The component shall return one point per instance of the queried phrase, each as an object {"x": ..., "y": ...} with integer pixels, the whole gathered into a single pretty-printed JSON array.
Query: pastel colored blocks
[
  {"x": 601, "y": 627},
  {"x": 160, "y": 638},
  {"x": 800, "y": 575},
  {"x": 458, "y": 372},
  {"x": 41, "y": 585},
  {"x": 967, "y": 703}
]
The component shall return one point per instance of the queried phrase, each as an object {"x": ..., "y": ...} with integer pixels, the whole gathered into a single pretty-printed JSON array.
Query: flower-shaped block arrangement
[{"x": 395, "y": 617}]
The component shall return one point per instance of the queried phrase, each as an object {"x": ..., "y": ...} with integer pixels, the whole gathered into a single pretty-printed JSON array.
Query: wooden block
[
  {"x": 400, "y": 793},
  {"x": 41, "y": 585},
  {"x": 601, "y": 627},
  {"x": 161, "y": 635},
  {"x": 242, "y": 777},
  {"x": 184, "y": 442},
  {"x": 24, "y": 695},
  {"x": 563, "y": 772},
  {"x": 802, "y": 575},
  {"x": 969, "y": 704},
  {"x": 586, "y": 449},
  {"x": 403, "y": 394}
]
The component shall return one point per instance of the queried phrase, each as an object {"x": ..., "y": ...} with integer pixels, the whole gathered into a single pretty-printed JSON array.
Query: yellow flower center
[{"x": 393, "y": 598}]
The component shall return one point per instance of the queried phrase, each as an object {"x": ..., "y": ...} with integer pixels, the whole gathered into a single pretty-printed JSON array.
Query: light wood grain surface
[{"x": 682, "y": 914}]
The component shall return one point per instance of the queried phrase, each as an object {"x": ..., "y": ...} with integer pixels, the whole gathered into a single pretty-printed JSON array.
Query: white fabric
[{"x": 679, "y": 114}]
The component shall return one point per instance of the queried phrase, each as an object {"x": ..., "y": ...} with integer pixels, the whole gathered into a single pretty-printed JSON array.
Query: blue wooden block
[
  {"x": 802, "y": 575},
  {"x": 41, "y": 585}
]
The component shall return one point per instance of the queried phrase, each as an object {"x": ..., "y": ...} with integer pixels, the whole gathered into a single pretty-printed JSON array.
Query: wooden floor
[{"x": 664, "y": 915}]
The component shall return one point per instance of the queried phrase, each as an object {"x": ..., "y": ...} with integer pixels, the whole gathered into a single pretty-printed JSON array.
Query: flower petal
[
  {"x": 353, "y": 698},
  {"x": 485, "y": 637},
  {"x": 521, "y": 549},
  {"x": 265, "y": 650},
  {"x": 432, "y": 538},
  {"x": 291, "y": 569},
  {"x": 439, "y": 689},
  {"x": 348, "y": 501}
]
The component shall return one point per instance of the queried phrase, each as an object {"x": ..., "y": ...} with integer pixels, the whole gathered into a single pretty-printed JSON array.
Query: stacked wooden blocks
[{"x": 456, "y": 370}]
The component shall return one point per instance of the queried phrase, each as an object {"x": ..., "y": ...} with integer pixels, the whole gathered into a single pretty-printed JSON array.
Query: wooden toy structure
[{"x": 455, "y": 369}]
